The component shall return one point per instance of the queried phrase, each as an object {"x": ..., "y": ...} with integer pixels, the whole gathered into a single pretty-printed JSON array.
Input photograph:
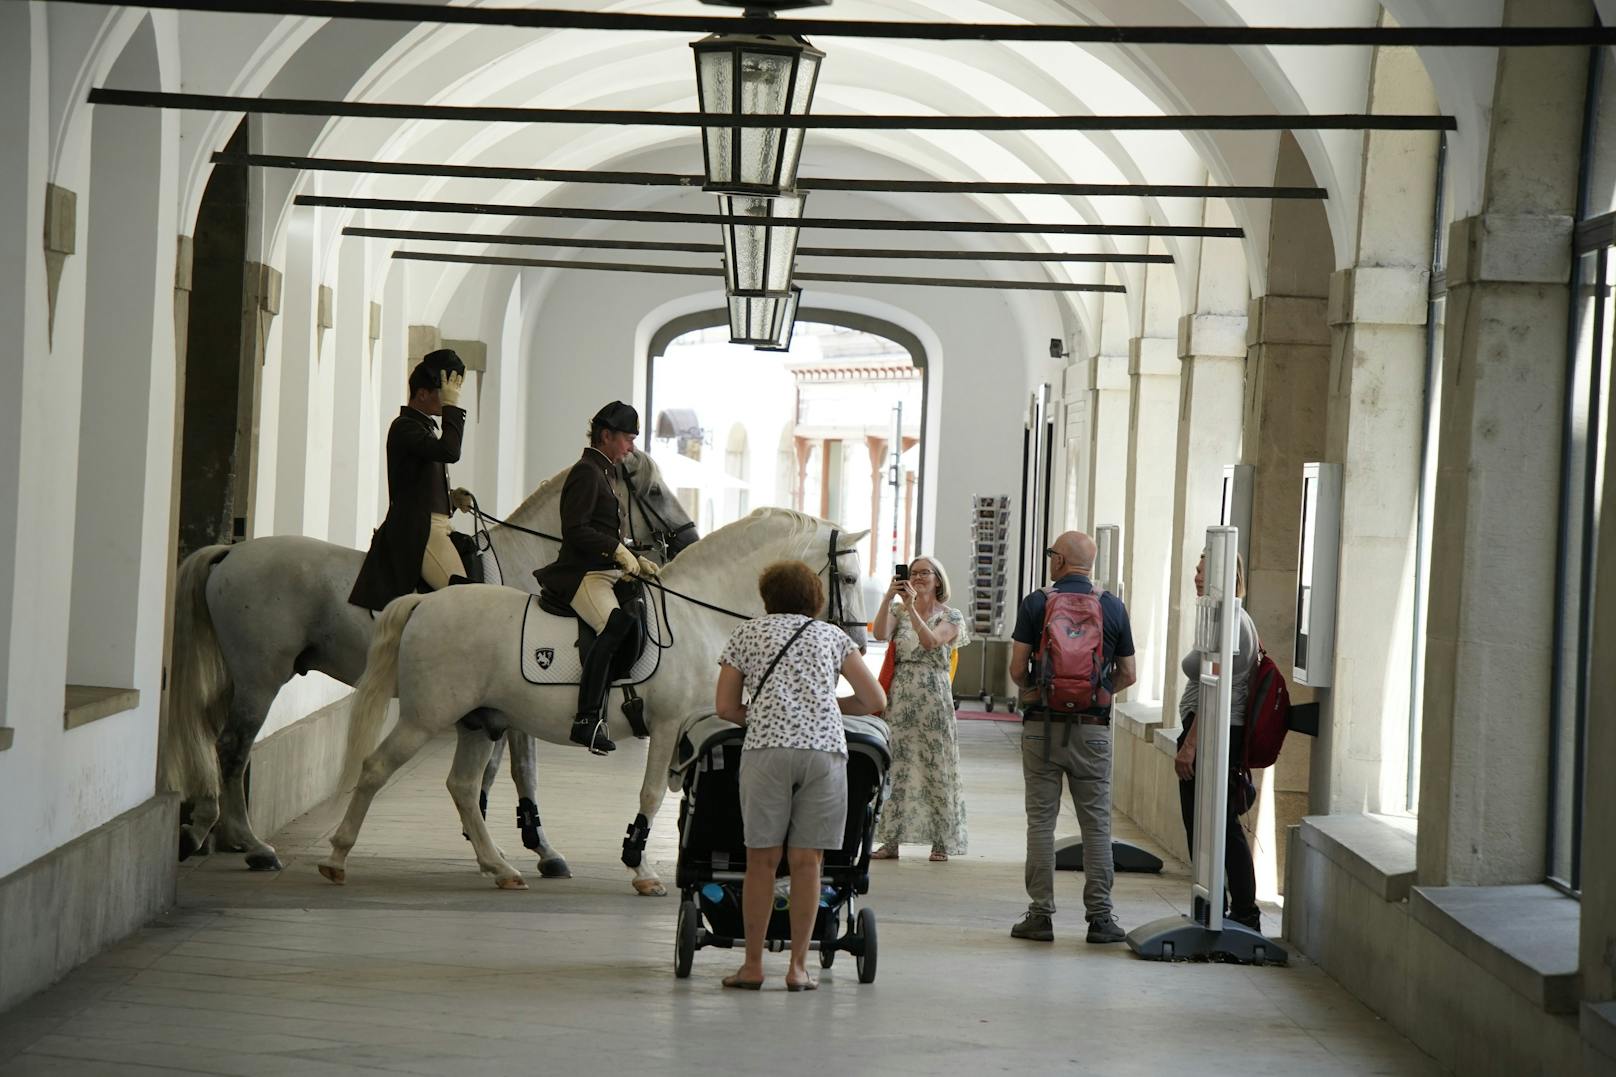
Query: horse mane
[{"x": 740, "y": 538}]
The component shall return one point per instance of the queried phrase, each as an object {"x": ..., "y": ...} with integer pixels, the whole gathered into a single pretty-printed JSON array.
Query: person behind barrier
[
  {"x": 592, "y": 560},
  {"x": 1241, "y": 892},
  {"x": 926, "y": 804},
  {"x": 412, "y": 546},
  {"x": 1084, "y": 646},
  {"x": 794, "y": 757}
]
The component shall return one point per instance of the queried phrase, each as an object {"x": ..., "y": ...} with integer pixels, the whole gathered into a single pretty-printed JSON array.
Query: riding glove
[
  {"x": 649, "y": 568},
  {"x": 625, "y": 560},
  {"x": 451, "y": 389}
]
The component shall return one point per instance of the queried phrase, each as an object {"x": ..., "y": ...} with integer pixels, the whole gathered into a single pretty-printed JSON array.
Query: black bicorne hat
[
  {"x": 445, "y": 361},
  {"x": 617, "y": 416}
]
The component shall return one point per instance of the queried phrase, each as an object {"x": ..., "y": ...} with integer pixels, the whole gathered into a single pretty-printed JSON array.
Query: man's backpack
[
  {"x": 1268, "y": 712},
  {"x": 1071, "y": 653}
]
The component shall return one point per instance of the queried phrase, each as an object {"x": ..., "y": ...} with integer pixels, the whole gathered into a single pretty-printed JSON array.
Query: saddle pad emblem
[{"x": 544, "y": 656}]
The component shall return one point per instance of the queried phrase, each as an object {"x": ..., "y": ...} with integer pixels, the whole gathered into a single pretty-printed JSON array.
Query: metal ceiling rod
[
  {"x": 389, "y": 110},
  {"x": 1076, "y": 33},
  {"x": 503, "y": 239},
  {"x": 645, "y": 216},
  {"x": 804, "y": 183},
  {"x": 693, "y": 271}
]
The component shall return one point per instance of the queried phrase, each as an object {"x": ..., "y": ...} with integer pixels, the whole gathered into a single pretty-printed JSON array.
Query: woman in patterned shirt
[{"x": 794, "y": 758}]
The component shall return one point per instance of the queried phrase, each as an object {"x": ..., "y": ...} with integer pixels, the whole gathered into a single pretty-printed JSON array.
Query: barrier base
[
  {"x": 1178, "y": 938},
  {"x": 1124, "y": 856}
]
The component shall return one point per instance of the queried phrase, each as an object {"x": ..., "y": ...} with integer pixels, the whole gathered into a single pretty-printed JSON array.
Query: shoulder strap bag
[{"x": 779, "y": 655}]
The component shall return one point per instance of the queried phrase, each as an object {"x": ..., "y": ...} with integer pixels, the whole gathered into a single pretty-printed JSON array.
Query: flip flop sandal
[
  {"x": 744, "y": 985},
  {"x": 806, "y": 985},
  {"x": 885, "y": 853},
  {"x": 938, "y": 856}
]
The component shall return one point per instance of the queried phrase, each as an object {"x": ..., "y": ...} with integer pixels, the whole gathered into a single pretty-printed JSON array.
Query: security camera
[{"x": 1057, "y": 350}]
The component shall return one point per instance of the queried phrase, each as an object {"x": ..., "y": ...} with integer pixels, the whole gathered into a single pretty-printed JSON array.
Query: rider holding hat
[
  {"x": 592, "y": 559},
  {"x": 412, "y": 545}
]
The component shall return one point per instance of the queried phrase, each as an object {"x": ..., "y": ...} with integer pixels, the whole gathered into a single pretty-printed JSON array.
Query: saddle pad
[{"x": 550, "y": 648}]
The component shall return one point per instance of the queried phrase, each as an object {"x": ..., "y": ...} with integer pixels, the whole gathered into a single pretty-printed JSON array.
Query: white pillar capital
[
  {"x": 1212, "y": 335},
  {"x": 1510, "y": 248},
  {"x": 1380, "y": 295}
]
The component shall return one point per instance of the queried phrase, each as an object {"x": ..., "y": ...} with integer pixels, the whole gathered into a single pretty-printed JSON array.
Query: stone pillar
[
  {"x": 1484, "y": 767},
  {"x": 877, "y": 448},
  {"x": 1212, "y": 378},
  {"x": 1152, "y": 450},
  {"x": 61, "y": 232},
  {"x": 1376, "y": 410},
  {"x": 1108, "y": 387}
]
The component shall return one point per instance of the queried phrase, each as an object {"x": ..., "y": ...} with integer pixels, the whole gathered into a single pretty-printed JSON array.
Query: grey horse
[{"x": 250, "y": 617}]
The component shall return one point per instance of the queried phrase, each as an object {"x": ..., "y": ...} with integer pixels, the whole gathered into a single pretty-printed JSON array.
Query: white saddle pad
[{"x": 550, "y": 648}]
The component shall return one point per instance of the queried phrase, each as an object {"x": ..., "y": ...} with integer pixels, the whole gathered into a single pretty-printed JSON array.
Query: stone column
[
  {"x": 1108, "y": 389},
  {"x": 1212, "y": 378},
  {"x": 1152, "y": 450},
  {"x": 1376, "y": 409},
  {"x": 1484, "y": 768},
  {"x": 877, "y": 448}
]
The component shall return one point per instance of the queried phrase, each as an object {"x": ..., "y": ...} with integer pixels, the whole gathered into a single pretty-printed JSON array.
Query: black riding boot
[{"x": 589, "y": 726}]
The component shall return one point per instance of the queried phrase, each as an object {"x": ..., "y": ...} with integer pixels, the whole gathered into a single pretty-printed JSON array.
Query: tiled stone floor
[{"x": 420, "y": 966}]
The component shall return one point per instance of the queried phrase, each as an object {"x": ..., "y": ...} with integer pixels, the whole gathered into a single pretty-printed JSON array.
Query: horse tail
[
  {"x": 378, "y": 685},
  {"x": 200, "y": 688}
]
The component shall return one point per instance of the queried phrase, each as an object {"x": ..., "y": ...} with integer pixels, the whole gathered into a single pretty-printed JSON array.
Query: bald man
[{"x": 1075, "y": 747}]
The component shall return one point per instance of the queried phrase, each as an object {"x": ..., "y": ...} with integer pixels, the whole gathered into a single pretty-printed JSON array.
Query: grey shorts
[{"x": 793, "y": 795}]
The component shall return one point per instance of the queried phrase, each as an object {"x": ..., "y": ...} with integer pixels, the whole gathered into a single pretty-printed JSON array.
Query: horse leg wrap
[
  {"x": 634, "y": 711},
  {"x": 482, "y": 803},
  {"x": 527, "y": 820},
  {"x": 634, "y": 844}
]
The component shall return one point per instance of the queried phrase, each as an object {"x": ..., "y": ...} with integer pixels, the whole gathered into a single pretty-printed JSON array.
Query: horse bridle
[
  {"x": 836, "y": 604},
  {"x": 663, "y": 533}
]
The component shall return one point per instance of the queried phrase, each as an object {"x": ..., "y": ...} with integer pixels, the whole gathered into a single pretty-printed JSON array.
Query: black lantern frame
[
  {"x": 757, "y": 320},
  {"x": 759, "y": 258},
  {"x": 754, "y": 160},
  {"x": 788, "y": 323}
]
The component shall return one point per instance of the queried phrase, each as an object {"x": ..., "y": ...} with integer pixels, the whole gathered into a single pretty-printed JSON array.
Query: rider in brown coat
[
  {"x": 592, "y": 559},
  {"x": 412, "y": 545}
]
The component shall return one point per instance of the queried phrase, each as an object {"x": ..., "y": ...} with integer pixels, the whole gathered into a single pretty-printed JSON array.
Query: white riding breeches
[{"x": 441, "y": 560}]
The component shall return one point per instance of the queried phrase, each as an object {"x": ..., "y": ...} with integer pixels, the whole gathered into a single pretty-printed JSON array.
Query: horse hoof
[
  {"x": 554, "y": 869},
  {"x": 336, "y": 875},
  {"x": 264, "y": 862},
  {"x": 650, "y": 888},
  {"x": 515, "y": 882},
  {"x": 188, "y": 846}
]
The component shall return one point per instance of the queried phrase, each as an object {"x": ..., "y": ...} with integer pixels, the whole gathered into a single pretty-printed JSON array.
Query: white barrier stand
[{"x": 1204, "y": 933}]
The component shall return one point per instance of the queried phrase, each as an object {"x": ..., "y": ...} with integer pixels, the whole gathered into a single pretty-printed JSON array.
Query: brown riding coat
[
  {"x": 591, "y": 526},
  {"x": 416, "y": 483}
]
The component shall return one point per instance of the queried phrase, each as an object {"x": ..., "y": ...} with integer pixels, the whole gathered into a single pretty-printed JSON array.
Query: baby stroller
[{"x": 712, "y": 852}]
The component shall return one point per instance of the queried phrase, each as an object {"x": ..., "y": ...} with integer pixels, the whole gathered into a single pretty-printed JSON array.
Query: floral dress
[{"x": 926, "y": 806}]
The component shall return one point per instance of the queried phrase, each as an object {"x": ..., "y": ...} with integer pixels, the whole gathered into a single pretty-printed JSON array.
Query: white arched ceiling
[{"x": 431, "y": 63}]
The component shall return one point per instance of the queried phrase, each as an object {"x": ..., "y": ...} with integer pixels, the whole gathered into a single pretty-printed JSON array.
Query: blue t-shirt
[{"x": 1118, "y": 633}]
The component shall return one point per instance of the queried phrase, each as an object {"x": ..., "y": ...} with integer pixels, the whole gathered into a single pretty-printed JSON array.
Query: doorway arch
[{"x": 677, "y": 327}]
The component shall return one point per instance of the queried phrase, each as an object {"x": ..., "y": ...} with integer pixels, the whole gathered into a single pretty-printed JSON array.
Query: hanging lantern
[
  {"x": 758, "y": 258},
  {"x": 788, "y": 323},
  {"x": 754, "y": 75},
  {"x": 757, "y": 320}
]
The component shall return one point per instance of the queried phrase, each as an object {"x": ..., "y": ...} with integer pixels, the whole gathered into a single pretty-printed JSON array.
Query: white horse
[
  {"x": 249, "y": 617},
  {"x": 451, "y": 652}
]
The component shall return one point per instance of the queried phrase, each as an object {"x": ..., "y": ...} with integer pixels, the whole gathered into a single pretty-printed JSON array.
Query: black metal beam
[
  {"x": 1075, "y": 33},
  {"x": 646, "y": 216},
  {"x": 693, "y": 271},
  {"x": 389, "y": 110},
  {"x": 804, "y": 183},
  {"x": 503, "y": 239}
]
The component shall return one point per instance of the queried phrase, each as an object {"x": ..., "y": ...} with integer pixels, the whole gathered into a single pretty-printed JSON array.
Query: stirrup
[{"x": 591, "y": 733}]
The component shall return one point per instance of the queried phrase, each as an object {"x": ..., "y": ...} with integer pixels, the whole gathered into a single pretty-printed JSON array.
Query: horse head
[
  {"x": 844, "y": 590},
  {"x": 667, "y": 525}
]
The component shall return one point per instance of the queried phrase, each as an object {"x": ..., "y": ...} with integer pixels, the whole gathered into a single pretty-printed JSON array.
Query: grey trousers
[{"x": 1083, "y": 759}]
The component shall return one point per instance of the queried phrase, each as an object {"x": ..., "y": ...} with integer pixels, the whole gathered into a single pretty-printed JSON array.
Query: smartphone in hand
[{"x": 900, "y": 572}]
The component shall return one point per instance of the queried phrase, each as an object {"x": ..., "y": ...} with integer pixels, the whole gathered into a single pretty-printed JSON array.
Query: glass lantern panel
[
  {"x": 764, "y": 82},
  {"x": 716, "y": 85},
  {"x": 802, "y": 99}
]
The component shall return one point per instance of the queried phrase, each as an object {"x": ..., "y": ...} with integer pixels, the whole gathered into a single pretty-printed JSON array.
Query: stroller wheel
[
  {"x": 827, "y": 941},
  {"x": 684, "y": 940},
  {"x": 865, "y": 929}
]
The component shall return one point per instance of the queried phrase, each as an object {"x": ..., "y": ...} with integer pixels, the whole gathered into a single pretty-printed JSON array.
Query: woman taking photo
[
  {"x": 1241, "y": 891},
  {"x": 925, "y": 806}
]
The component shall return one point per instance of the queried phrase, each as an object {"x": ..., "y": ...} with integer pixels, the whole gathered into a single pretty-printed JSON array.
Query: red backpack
[
  {"x": 1071, "y": 653},
  {"x": 1268, "y": 712}
]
